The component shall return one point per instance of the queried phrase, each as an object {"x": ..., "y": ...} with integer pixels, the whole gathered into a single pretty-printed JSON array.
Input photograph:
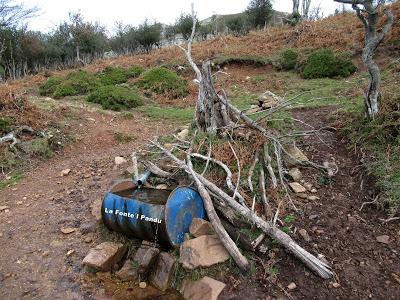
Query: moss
[
  {"x": 12, "y": 180},
  {"x": 162, "y": 81},
  {"x": 39, "y": 147},
  {"x": 323, "y": 63},
  {"x": 115, "y": 97}
]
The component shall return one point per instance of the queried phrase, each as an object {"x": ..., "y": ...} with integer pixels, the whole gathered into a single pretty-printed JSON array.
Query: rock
[
  {"x": 130, "y": 170},
  {"x": 313, "y": 198},
  {"x": 162, "y": 187},
  {"x": 183, "y": 135},
  {"x": 308, "y": 186},
  {"x": 304, "y": 235},
  {"x": 336, "y": 285},
  {"x": 88, "y": 228},
  {"x": 65, "y": 172},
  {"x": 161, "y": 275},
  {"x": 314, "y": 191},
  {"x": 120, "y": 160},
  {"x": 295, "y": 153},
  {"x": 297, "y": 187},
  {"x": 302, "y": 196},
  {"x": 204, "y": 251},
  {"x": 68, "y": 230},
  {"x": 168, "y": 146},
  {"x": 201, "y": 227},
  {"x": 3, "y": 207},
  {"x": 145, "y": 258},
  {"x": 384, "y": 239},
  {"x": 142, "y": 285},
  {"x": 295, "y": 174},
  {"x": 291, "y": 286},
  {"x": 105, "y": 255},
  {"x": 203, "y": 289},
  {"x": 128, "y": 272},
  {"x": 70, "y": 252}
]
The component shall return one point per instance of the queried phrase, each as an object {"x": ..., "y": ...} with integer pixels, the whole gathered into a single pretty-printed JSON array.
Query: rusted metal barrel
[{"x": 154, "y": 215}]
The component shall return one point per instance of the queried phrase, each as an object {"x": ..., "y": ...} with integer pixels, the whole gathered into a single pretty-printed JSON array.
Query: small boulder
[
  {"x": 204, "y": 251},
  {"x": 183, "y": 135},
  {"x": 119, "y": 160},
  {"x": 304, "y": 235},
  {"x": 161, "y": 275},
  {"x": 105, "y": 255},
  {"x": 201, "y": 227},
  {"x": 296, "y": 153},
  {"x": 145, "y": 258},
  {"x": 128, "y": 272},
  {"x": 65, "y": 172},
  {"x": 203, "y": 289},
  {"x": 297, "y": 187},
  {"x": 291, "y": 286},
  {"x": 312, "y": 198},
  {"x": 295, "y": 173}
]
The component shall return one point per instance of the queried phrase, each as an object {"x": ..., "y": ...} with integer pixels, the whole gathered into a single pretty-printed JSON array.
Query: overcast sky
[{"x": 52, "y": 12}]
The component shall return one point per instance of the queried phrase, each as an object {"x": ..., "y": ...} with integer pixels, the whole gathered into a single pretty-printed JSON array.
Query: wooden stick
[
  {"x": 156, "y": 170},
  {"x": 251, "y": 171},
  {"x": 226, "y": 240},
  {"x": 312, "y": 262},
  {"x": 268, "y": 165}
]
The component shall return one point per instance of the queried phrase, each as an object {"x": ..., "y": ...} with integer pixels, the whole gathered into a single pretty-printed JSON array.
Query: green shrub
[
  {"x": 113, "y": 76},
  {"x": 38, "y": 148},
  {"x": 115, "y": 97},
  {"x": 164, "y": 82},
  {"x": 5, "y": 125},
  {"x": 75, "y": 83},
  {"x": 48, "y": 87},
  {"x": 323, "y": 63},
  {"x": 287, "y": 59},
  {"x": 134, "y": 71}
]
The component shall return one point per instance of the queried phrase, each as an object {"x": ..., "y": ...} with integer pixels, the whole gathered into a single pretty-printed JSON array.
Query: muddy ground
[{"x": 38, "y": 261}]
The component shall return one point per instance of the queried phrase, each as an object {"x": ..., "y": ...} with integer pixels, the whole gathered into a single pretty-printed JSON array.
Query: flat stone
[
  {"x": 291, "y": 286},
  {"x": 203, "y": 289},
  {"x": 162, "y": 186},
  {"x": 105, "y": 255},
  {"x": 120, "y": 160},
  {"x": 295, "y": 174},
  {"x": 302, "y": 196},
  {"x": 204, "y": 251},
  {"x": 68, "y": 230},
  {"x": 145, "y": 258},
  {"x": 297, "y": 187},
  {"x": 161, "y": 276},
  {"x": 128, "y": 271},
  {"x": 201, "y": 227},
  {"x": 313, "y": 198},
  {"x": 142, "y": 285},
  {"x": 384, "y": 239}
]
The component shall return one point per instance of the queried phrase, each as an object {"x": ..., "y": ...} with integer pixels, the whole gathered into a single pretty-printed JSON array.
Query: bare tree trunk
[
  {"x": 369, "y": 16},
  {"x": 306, "y": 8},
  {"x": 296, "y": 7}
]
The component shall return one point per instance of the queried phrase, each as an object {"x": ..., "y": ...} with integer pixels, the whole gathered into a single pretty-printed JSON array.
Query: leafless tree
[
  {"x": 316, "y": 13},
  {"x": 305, "y": 8},
  {"x": 368, "y": 12},
  {"x": 12, "y": 13}
]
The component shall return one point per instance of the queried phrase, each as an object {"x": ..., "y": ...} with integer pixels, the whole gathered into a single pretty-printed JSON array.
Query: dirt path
[
  {"x": 346, "y": 236},
  {"x": 37, "y": 261}
]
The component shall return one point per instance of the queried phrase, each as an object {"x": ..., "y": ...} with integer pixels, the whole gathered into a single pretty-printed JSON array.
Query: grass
[
  {"x": 123, "y": 138},
  {"x": 168, "y": 113},
  {"x": 12, "y": 180}
]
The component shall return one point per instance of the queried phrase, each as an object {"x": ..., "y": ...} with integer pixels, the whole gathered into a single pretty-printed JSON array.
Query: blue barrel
[{"x": 164, "y": 220}]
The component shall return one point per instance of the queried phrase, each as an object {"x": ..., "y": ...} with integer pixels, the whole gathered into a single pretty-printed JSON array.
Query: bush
[
  {"x": 5, "y": 125},
  {"x": 115, "y": 97},
  {"x": 75, "y": 83},
  {"x": 323, "y": 63},
  {"x": 113, "y": 76},
  {"x": 164, "y": 82},
  {"x": 48, "y": 88},
  {"x": 287, "y": 60},
  {"x": 134, "y": 71}
]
